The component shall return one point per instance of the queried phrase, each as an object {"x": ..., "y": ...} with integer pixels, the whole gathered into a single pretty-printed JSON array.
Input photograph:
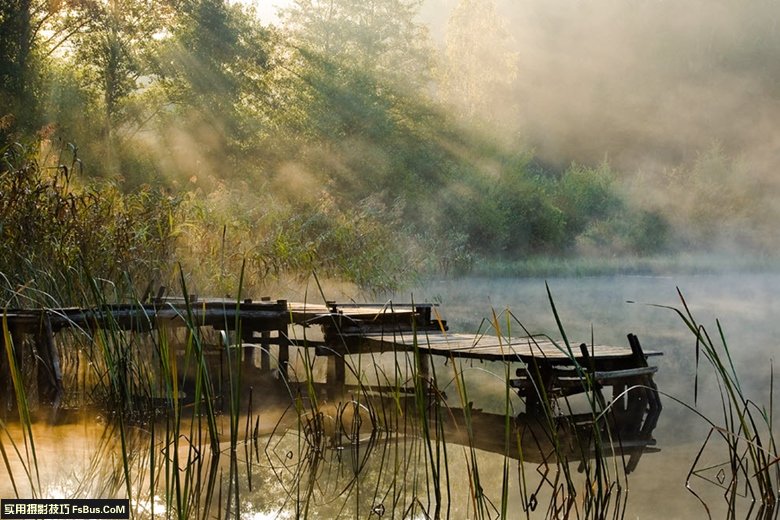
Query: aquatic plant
[{"x": 186, "y": 432}]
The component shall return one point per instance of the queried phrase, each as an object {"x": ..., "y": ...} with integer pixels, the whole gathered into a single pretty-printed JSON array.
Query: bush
[
  {"x": 648, "y": 232},
  {"x": 585, "y": 195},
  {"x": 52, "y": 227},
  {"x": 277, "y": 238},
  {"x": 627, "y": 233}
]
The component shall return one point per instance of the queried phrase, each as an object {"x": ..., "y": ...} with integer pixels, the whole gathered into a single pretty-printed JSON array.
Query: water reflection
[
  {"x": 416, "y": 455},
  {"x": 746, "y": 305},
  {"x": 403, "y": 453}
]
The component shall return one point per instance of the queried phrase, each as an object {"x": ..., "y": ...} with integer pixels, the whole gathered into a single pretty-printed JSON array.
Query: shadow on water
[
  {"x": 311, "y": 449},
  {"x": 377, "y": 454},
  {"x": 209, "y": 434}
]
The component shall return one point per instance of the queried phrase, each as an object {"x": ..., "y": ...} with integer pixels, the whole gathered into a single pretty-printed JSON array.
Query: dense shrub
[
  {"x": 632, "y": 233},
  {"x": 586, "y": 194},
  {"x": 54, "y": 227},
  {"x": 272, "y": 238}
]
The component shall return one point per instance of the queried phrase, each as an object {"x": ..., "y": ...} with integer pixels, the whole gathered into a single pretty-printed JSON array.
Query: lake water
[
  {"x": 747, "y": 306},
  {"x": 347, "y": 470}
]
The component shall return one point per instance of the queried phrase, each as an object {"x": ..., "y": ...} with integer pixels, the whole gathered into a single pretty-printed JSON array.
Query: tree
[
  {"x": 29, "y": 36},
  {"x": 211, "y": 69},
  {"x": 378, "y": 37},
  {"x": 114, "y": 54},
  {"x": 479, "y": 64},
  {"x": 15, "y": 47},
  {"x": 117, "y": 45}
]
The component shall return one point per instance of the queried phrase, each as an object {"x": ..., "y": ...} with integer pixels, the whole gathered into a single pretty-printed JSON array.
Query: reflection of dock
[
  {"x": 545, "y": 440},
  {"x": 574, "y": 438},
  {"x": 548, "y": 370}
]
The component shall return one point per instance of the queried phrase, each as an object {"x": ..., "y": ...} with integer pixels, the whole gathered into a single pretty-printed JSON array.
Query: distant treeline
[{"x": 144, "y": 132}]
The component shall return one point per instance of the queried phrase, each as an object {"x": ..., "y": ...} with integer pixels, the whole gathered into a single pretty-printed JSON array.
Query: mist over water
[
  {"x": 596, "y": 307},
  {"x": 608, "y": 308},
  {"x": 746, "y": 306}
]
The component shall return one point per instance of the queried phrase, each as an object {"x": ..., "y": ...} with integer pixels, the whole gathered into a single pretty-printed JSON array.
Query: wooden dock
[{"x": 546, "y": 370}]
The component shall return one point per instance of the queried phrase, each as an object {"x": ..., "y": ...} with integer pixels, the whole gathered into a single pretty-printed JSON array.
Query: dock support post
[
  {"x": 589, "y": 363},
  {"x": 6, "y": 390},
  {"x": 646, "y": 400},
  {"x": 14, "y": 350},
  {"x": 336, "y": 375},
  {"x": 284, "y": 347},
  {"x": 49, "y": 371},
  {"x": 265, "y": 345},
  {"x": 425, "y": 367},
  {"x": 248, "y": 337},
  {"x": 541, "y": 376}
]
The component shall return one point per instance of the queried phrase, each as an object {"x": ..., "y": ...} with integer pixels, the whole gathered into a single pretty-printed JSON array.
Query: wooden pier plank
[
  {"x": 480, "y": 346},
  {"x": 356, "y": 327}
]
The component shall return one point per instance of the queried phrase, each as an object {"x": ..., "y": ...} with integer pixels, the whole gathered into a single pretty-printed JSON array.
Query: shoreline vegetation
[
  {"x": 133, "y": 139},
  {"x": 61, "y": 228},
  {"x": 660, "y": 265}
]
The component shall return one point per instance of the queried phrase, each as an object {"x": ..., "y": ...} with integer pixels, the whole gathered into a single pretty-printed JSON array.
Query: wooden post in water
[
  {"x": 49, "y": 373},
  {"x": 284, "y": 346},
  {"x": 336, "y": 375},
  {"x": 265, "y": 345},
  {"x": 541, "y": 377},
  {"x": 6, "y": 389},
  {"x": 636, "y": 401},
  {"x": 247, "y": 337},
  {"x": 425, "y": 367},
  {"x": 646, "y": 400},
  {"x": 14, "y": 351}
]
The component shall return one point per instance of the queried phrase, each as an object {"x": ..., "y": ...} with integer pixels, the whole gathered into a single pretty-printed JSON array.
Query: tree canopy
[{"x": 346, "y": 108}]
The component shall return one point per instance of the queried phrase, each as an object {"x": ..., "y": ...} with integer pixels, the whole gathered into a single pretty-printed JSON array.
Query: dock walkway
[{"x": 547, "y": 369}]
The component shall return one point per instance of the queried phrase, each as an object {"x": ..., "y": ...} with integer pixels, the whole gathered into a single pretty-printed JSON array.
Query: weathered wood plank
[{"x": 481, "y": 346}]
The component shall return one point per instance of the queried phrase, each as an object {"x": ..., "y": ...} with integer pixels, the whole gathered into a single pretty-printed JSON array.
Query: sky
[{"x": 267, "y": 9}]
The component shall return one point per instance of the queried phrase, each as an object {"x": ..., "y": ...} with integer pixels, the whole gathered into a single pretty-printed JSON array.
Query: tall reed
[
  {"x": 386, "y": 445},
  {"x": 746, "y": 430}
]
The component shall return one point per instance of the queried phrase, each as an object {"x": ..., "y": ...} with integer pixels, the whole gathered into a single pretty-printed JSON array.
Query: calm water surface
[
  {"x": 747, "y": 306},
  {"x": 383, "y": 477}
]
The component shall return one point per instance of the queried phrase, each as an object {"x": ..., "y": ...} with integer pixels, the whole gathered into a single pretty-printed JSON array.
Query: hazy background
[
  {"x": 680, "y": 98},
  {"x": 646, "y": 83},
  {"x": 376, "y": 141}
]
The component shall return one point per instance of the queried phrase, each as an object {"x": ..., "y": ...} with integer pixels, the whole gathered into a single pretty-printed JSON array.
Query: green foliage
[
  {"x": 338, "y": 110},
  {"x": 206, "y": 44},
  {"x": 115, "y": 49},
  {"x": 278, "y": 239},
  {"x": 525, "y": 211},
  {"x": 534, "y": 222},
  {"x": 211, "y": 67},
  {"x": 625, "y": 234},
  {"x": 446, "y": 254},
  {"x": 381, "y": 38},
  {"x": 585, "y": 194},
  {"x": 648, "y": 232},
  {"x": 18, "y": 64},
  {"x": 53, "y": 228}
]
